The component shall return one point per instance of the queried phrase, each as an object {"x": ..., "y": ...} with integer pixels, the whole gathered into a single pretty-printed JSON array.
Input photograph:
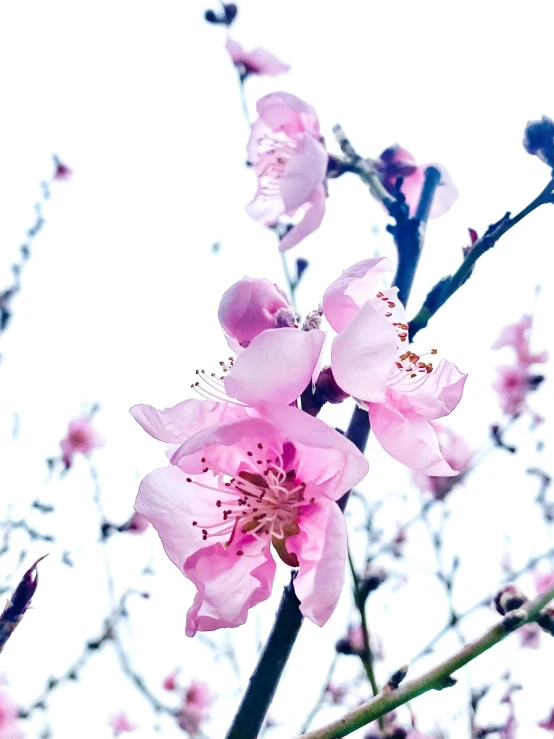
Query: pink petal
[
  {"x": 314, "y": 212},
  {"x": 304, "y": 173},
  {"x": 363, "y": 354},
  {"x": 282, "y": 111},
  {"x": 409, "y": 438},
  {"x": 321, "y": 550},
  {"x": 171, "y": 504},
  {"x": 264, "y": 62},
  {"x": 235, "y": 50},
  {"x": 174, "y": 425},
  {"x": 228, "y": 584},
  {"x": 276, "y": 367},
  {"x": 344, "y": 297},
  {"x": 440, "y": 393},
  {"x": 324, "y": 457}
]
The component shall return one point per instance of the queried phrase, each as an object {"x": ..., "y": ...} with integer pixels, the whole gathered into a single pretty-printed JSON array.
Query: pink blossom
[
  {"x": 249, "y": 307},
  {"x": 337, "y": 693},
  {"x": 548, "y": 723},
  {"x": 371, "y": 362},
  {"x": 194, "y": 710},
  {"x": 240, "y": 482},
  {"x": 81, "y": 438},
  {"x": 529, "y": 636},
  {"x": 518, "y": 337},
  {"x": 9, "y": 728},
  {"x": 257, "y": 61},
  {"x": 170, "y": 682},
  {"x": 120, "y": 724},
  {"x": 544, "y": 581},
  {"x": 512, "y": 386},
  {"x": 456, "y": 451},
  {"x": 287, "y": 154},
  {"x": 62, "y": 173},
  {"x": 396, "y": 162}
]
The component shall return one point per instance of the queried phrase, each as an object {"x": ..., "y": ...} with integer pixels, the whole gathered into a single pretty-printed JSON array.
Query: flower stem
[
  {"x": 367, "y": 657},
  {"x": 436, "y": 679}
]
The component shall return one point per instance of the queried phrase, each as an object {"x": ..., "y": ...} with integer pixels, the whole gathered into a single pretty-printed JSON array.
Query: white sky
[{"x": 120, "y": 299}]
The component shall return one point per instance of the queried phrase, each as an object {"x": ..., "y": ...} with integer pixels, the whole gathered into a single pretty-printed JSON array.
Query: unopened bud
[
  {"x": 545, "y": 620},
  {"x": 18, "y": 604},
  {"x": 539, "y": 139},
  {"x": 231, "y": 11},
  {"x": 372, "y": 578},
  {"x": 326, "y": 388},
  {"x": 211, "y": 17},
  {"x": 301, "y": 266},
  {"x": 509, "y": 598}
]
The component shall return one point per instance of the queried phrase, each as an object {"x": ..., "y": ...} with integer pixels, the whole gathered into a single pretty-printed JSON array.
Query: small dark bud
[
  {"x": 326, "y": 388},
  {"x": 538, "y": 139},
  {"x": 546, "y": 620},
  {"x": 397, "y": 677},
  {"x": 211, "y": 17},
  {"x": 535, "y": 381},
  {"x": 448, "y": 682},
  {"x": 301, "y": 267},
  {"x": 18, "y": 604},
  {"x": 372, "y": 578},
  {"x": 231, "y": 11},
  {"x": 399, "y": 733},
  {"x": 514, "y": 619},
  {"x": 344, "y": 646},
  {"x": 509, "y": 598}
]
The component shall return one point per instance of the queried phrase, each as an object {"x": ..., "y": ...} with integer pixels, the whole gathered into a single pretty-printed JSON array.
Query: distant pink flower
[
  {"x": 456, "y": 451},
  {"x": 195, "y": 707},
  {"x": 170, "y": 682},
  {"x": 512, "y": 386},
  {"x": 137, "y": 524},
  {"x": 544, "y": 581},
  {"x": 239, "y": 483},
  {"x": 120, "y": 724},
  {"x": 9, "y": 728},
  {"x": 81, "y": 438},
  {"x": 371, "y": 362},
  {"x": 249, "y": 307},
  {"x": 287, "y": 154},
  {"x": 529, "y": 636},
  {"x": 337, "y": 693},
  {"x": 518, "y": 337},
  {"x": 396, "y": 162},
  {"x": 257, "y": 61},
  {"x": 548, "y": 723},
  {"x": 62, "y": 173}
]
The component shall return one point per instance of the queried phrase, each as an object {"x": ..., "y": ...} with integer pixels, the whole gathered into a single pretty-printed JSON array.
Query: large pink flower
[
  {"x": 240, "y": 483},
  {"x": 371, "y": 362},
  {"x": 257, "y": 61},
  {"x": 251, "y": 306},
  {"x": 396, "y": 162},
  {"x": 286, "y": 152},
  {"x": 81, "y": 438}
]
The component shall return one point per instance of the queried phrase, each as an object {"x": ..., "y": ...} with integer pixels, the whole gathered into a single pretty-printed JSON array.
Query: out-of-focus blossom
[
  {"x": 251, "y": 306},
  {"x": 457, "y": 452},
  {"x": 170, "y": 682},
  {"x": 518, "y": 337},
  {"x": 62, "y": 172},
  {"x": 258, "y": 61},
  {"x": 337, "y": 693},
  {"x": 529, "y": 636},
  {"x": 512, "y": 387},
  {"x": 397, "y": 162},
  {"x": 239, "y": 483},
  {"x": 286, "y": 152},
  {"x": 352, "y": 643},
  {"x": 548, "y": 723},
  {"x": 137, "y": 524},
  {"x": 9, "y": 724},
  {"x": 402, "y": 393},
  {"x": 81, "y": 438},
  {"x": 195, "y": 708},
  {"x": 120, "y": 724},
  {"x": 544, "y": 581}
]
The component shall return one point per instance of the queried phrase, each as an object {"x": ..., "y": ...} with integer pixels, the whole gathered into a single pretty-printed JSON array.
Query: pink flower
[
  {"x": 257, "y": 61},
  {"x": 456, "y": 451},
  {"x": 249, "y": 307},
  {"x": 81, "y": 438},
  {"x": 370, "y": 361},
  {"x": 170, "y": 682},
  {"x": 120, "y": 724},
  {"x": 512, "y": 386},
  {"x": 9, "y": 728},
  {"x": 286, "y": 152},
  {"x": 62, "y": 173},
  {"x": 137, "y": 524},
  {"x": 240, "y": 483},
  {"x": 518, "y": 337},
  {"x": 548, "y": 723},
  {"x": 337, "y": 693},
  {"x": 544, "y": 581},
  {"x": 195, "y": 707},
  {"x": 397, "y": 162}
]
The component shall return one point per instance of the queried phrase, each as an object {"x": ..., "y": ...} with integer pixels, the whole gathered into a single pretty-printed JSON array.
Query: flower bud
[
  {"x": 249, "y": 307},
  {"x": 372, "y": 578},
  {"x": 539, "y": 139},
  {"x": 509, "y": 598}
]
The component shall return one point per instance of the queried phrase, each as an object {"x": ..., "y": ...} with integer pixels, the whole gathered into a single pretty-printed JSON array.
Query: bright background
[{"x": 119, "y": 303}]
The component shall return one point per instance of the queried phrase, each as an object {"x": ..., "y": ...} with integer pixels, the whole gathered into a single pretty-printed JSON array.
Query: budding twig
[{"x": 18, "y": 604}]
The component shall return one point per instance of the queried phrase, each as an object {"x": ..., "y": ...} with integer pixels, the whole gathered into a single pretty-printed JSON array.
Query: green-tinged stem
[
  {"x": 291, "y": 284},
  {"x": 437, "y": 678},
  {"x": 444, "y": 289},
  {"x": 367, "y": 657}
]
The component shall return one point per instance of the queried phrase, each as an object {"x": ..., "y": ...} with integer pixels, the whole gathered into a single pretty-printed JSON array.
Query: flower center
[
  {"x": 278, "y": 153},
  {"x": 262, "y": 501}
]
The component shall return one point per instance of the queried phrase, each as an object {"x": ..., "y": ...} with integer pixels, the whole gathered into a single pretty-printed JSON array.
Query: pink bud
[{"x": 249, "y": 307}]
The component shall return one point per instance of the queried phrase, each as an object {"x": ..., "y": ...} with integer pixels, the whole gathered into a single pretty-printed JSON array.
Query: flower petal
[
  {"x": 321, "y": 550},
  {"x": 313, "y": 215},
  {"x": 228, "y": 584},
  {"x": 363, "y": 354},
  {"x": 276, "y": 367},
  {"x": 344, "y": 297},
  {"x": 304, "y": 173},
  {"x": 440, "y": 393},
  {"x": 409, "y": 438}
]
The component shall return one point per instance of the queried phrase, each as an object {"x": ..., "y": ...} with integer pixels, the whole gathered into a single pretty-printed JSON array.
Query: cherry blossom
[
  {"x": 456, "y": 451},
  {"x": 397, "y": 162},
  {"x": 194, "y": 710},
  {"x": 257, "y": 61},
  {"x": 81, "y": 438},
  {"x": 544, "y": 581},
  {"x": 240, "y": 483},
  {"x": 120, "y": 724},
  {"x": 170, "y": 682},
  {"x": 548, "y": 723},
  {"x": 249, "y": 307},
  {"x": 371, "y": 361},
  {"x": 62, "y": 172},
  {"x": 9, "y": 728},
  {"x": 518, "y": 337},
  {"x": 137, "y": 524},
  {"x": 287, "y": 154}
]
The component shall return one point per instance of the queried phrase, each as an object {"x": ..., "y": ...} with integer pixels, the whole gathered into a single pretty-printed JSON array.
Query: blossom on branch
[
  {"x": 457, "y": 452},
  {"x": 242, "y": 483},
  {"x": 120, "y": 724},
  {"x": 258, "y": 61},
  {"x": 81, "y": 438},
  {"x": 195, "y": 708},
  {"x": 287, "y": 154}
]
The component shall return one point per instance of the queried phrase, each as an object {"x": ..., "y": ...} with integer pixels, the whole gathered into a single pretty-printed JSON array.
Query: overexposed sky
[{"x": 119, "y": 303}]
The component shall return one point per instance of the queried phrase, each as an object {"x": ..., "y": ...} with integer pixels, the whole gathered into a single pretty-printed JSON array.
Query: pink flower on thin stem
[
  {"x": 251, "y": 306},
  {"x": 397, "y": 162},
  {"x": 241, "y": 485},
  {"x": 258, "y": 61},
  {"x": 194, "y": 710},
  {"x": 457, "y": 452},
  {"x": 371, "y": 361},
  {"x": 120, "y": 724},
  {"x": 81, "y": 438},
  {"x": 287, "y": 154},
  {"x": 518, "y": 337}
]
